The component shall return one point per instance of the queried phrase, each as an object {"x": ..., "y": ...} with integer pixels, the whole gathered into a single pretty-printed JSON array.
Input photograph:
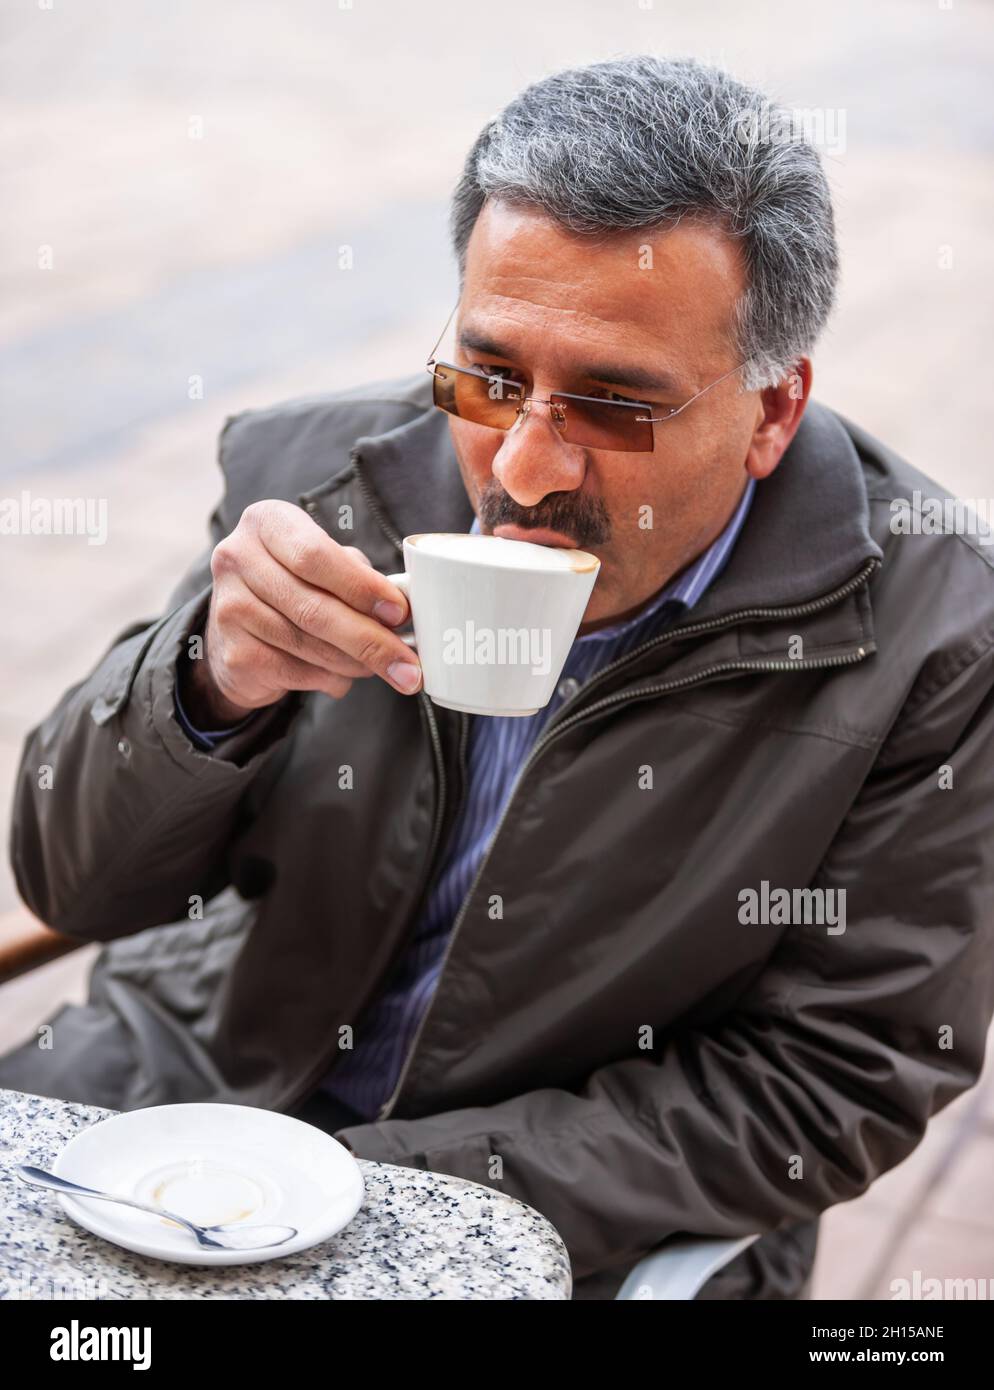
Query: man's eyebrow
[{"x": 635, "y": 378}]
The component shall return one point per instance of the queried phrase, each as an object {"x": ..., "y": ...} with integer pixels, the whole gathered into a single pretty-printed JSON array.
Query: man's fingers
[
  {"x": 279, "y": 670},
  {"x": 297, "y": 542},
  {"x": 302, "y": 675},
  {"x": 311, "y": 612},
  {"x": 240, "y": 606}
]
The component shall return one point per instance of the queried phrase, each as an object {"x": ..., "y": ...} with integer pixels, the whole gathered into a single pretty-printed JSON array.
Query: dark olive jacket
[{"x": 640, "y": 1059}]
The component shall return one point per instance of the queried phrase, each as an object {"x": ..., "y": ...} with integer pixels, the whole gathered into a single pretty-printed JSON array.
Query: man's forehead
[
  {"x": 675, "y": 285},
  {"x": 609, "y": 352}
]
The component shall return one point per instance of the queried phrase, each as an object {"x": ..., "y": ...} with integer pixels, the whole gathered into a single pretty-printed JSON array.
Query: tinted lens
[
  {"x": 482, "y": 399},
  {"x": 494, "y": 402},
  {"x": 604, "y": 424}
]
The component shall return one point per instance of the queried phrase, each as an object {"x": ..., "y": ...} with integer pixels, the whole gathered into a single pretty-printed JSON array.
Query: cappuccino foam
[{"x": 499, "y": 552}]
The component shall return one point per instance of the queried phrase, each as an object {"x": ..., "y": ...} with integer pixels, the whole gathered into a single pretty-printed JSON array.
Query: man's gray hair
[{"x": 644, "y": 141}]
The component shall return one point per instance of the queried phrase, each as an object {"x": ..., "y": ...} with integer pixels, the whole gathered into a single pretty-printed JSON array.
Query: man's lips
[{"x": 538, "y": 535}]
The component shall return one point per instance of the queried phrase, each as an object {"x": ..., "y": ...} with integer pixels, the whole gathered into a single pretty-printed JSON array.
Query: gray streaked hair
[{"x": 644, "y": 141}]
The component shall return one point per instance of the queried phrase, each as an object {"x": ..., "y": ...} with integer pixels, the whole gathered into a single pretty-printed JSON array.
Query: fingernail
[
  {"x": 388, "y": 612},
  {"x": 404, "y": 675}
]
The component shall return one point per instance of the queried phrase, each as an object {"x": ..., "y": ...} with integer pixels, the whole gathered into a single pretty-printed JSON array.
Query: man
[{"x": 702, "y": 946}]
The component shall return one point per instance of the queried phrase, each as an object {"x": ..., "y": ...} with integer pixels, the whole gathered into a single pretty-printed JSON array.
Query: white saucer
[{"x": 211, "y": 1163}]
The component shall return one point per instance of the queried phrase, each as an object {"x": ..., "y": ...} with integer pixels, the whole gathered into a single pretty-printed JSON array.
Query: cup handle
[{"x": 403, "y": 583}]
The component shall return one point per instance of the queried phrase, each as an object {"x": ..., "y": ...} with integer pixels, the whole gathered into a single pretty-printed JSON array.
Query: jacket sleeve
[
  {"x": 824, "y": 1075},
  {"x": 117, "y": 817}
]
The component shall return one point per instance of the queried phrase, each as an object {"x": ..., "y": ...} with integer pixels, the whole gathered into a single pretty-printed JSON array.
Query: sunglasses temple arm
[
  {"x": 431, "y": 355},
  {"x": 661, "y": 419}
]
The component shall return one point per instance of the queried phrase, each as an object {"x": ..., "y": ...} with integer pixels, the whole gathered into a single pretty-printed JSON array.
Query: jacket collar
[{"x": 806, "y": 535}]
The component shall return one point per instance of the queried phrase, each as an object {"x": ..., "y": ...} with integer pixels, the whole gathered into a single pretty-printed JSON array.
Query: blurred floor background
[{"x": 189, "y": 174}]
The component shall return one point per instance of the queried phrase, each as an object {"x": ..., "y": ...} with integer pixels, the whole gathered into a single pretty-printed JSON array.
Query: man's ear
[{"x": 781, "y": 409}]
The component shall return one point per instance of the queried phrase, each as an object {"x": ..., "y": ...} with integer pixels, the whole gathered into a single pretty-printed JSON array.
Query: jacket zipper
[
  {"x": 372, "y": 502},
  {"x": 394, "y": 537},
  {"x": 712, "y": 625},
  {"x": 397, "y": 541},
  {"x": 622, "y": 697}
]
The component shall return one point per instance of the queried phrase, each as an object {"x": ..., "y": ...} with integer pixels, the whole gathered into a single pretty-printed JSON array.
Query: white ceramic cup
[{"x": 494, "y": 619}]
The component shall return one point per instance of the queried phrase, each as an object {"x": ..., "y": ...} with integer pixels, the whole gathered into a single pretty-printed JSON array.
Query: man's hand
[{"x": 292, "y": 609}]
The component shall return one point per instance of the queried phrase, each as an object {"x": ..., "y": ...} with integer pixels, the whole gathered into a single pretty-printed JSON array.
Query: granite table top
[{"x": 418, "y": 1235}]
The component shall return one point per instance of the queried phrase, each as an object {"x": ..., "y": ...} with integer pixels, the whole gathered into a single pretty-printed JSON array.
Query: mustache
[{"x": 583, "y": 518}]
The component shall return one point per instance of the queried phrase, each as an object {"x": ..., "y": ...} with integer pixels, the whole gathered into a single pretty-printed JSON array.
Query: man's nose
[{"x": 533, "y": 461}]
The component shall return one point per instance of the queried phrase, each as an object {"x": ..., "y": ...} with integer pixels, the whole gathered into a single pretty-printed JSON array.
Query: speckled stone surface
[{"x": 417, "y": 1235}]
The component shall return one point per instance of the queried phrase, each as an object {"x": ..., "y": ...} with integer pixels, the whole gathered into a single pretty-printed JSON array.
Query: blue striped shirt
[{"x": 365, "y": 1076}]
